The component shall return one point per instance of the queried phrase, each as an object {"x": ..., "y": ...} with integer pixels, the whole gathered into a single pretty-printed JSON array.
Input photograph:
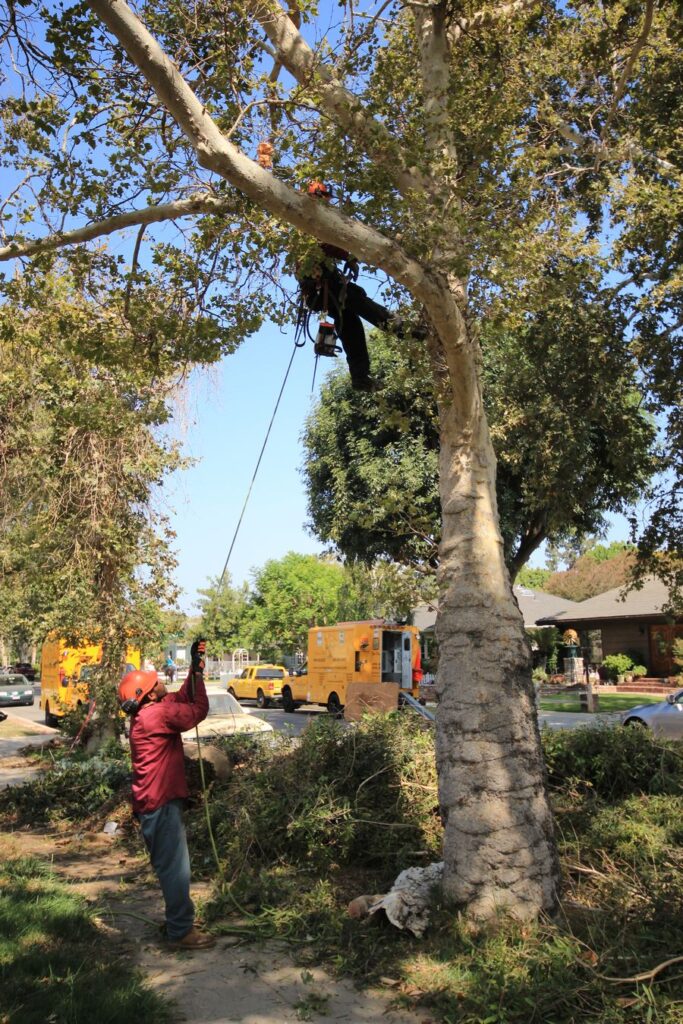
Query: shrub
[
  {"x": 617, "y": 665},
  {"x": 638, "y": 671},
  {"x": 678, "y": 652},
  {"x": 74, "y": 787},
  {"x": 546, "y": 640},
  {"x": 614, "y": 763}
]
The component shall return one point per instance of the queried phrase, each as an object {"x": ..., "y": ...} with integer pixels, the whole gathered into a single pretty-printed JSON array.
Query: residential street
[{"x": 295, "y": 724}]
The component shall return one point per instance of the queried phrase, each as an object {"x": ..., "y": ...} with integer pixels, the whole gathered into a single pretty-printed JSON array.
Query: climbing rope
[{"x": 297, "y": 344}]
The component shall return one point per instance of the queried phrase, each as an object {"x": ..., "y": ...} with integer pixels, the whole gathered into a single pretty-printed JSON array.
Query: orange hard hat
[
  {"x": 319, "y": 189},
  {"x": 136, "y": 685}
]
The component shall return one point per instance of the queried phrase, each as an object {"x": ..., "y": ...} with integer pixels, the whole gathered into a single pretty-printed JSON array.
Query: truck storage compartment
[{"x": 391, "y": 657}]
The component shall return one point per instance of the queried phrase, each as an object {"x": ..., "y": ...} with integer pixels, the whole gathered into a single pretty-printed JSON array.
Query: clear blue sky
[{"x": 227, "y": 410}]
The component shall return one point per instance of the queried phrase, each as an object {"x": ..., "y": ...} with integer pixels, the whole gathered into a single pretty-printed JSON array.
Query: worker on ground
[
  {"x": 158, "y": 720},
  {"x": 335, "y": 292}
]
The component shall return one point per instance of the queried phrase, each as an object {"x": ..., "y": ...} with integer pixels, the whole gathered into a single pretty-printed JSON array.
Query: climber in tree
[{"x": 327, "y": 289}]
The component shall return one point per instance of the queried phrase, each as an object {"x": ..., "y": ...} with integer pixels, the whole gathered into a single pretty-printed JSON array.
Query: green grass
[
  {"x": 607, "y": 702},
  {"x": 17, "y": 728},
  {"x": 54, "y": 963}
]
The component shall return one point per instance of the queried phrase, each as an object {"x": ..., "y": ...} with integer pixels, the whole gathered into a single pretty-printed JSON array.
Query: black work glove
[
  {"x": 198, "y": 654},
  {"x": 351, "y": 268}
]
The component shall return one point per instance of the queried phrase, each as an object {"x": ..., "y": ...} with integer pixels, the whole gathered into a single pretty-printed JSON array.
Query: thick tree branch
[
  {"x": 632, "y": 58},
  {"x": 217, "y": 154},
  {"x": 202, "y": 203},
  {"x": 532, "y": 539},
  {"x": 461, "y": 26},
  {"x": 435, "y": 69},
  {"x": 338, "y": 102}
]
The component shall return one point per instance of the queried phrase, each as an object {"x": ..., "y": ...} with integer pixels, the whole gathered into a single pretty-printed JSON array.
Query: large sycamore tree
[{"x": 476, "y": 148}]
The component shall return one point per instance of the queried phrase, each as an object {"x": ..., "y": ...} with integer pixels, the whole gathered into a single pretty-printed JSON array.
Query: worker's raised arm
[
  {"x": 180, "y": 711},
  {"x": 190, "y": 705}
]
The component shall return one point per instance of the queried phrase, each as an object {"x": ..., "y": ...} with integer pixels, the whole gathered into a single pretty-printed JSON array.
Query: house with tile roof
[{"x": 634, "y": 623}]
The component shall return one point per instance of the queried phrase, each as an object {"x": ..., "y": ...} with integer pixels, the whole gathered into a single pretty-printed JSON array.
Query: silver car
[{"x": 665, "y": 719}]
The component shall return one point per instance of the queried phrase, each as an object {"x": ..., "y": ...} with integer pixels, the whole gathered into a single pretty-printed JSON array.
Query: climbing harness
[{"x": 325, "y": 340}]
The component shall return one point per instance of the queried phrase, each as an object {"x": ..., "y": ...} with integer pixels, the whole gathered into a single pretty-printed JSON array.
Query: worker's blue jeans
[{"x": 164, "y": 834}]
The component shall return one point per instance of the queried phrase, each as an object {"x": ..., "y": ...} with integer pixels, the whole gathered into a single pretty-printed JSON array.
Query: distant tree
[
  {"x": 288, "y": 596},
  {"x": 572, "y": 442},
  {"x": 223, "y": 614},
  {"x": 384, "y": 590},
  {"x": 605, "y": 552},
  {"x": 563, "y": 551},
  {"x": 589, "y": 576},
  {"x": 534, "y": 579}
]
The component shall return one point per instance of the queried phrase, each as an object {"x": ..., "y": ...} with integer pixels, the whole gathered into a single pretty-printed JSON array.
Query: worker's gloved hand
[
  {"x": 352, "y": 268},
  {"x": 198, "y": 654}
]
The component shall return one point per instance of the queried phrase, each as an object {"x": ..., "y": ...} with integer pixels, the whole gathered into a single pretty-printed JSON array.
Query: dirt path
[{"x": 229, "y": 984}]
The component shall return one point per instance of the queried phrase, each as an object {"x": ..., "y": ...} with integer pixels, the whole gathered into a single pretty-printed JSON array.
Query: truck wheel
[
  {"x": 261, "y": 699},
  {"x": 289, "y": 705},
  {"x": 334, "y": 705},
  {"x": 49, "y": 718},
  {"x": 232, "y": 693}
]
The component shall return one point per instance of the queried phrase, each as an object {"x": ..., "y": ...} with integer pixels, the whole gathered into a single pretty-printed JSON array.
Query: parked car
[
  {"x": 15, "y": 689},
  {"x": 24, "y": 668},
  {"x": 664, "y": 719},
  {"x": 227, "y": 717},
  {"x": 262, "y": 683}
]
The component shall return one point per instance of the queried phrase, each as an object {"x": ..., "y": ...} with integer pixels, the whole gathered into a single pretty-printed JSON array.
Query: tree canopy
[
  {"x": 289, "y": 596},
  {"x": 223, "y": 612},
  {"x": 572, "y": 439},
  {"x": 81, "y": 543}
]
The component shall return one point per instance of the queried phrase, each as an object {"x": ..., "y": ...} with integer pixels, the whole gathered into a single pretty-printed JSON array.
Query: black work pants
[{"x": 346, "y": 304}]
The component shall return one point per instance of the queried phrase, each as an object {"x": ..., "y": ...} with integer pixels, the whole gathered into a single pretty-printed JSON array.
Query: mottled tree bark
[{"x": 499, "y": 849}]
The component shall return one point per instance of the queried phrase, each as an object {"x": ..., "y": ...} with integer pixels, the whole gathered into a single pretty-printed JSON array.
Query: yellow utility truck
[
  {"x": 64, "y": 673},
  {"x": 374, "y": 652}
]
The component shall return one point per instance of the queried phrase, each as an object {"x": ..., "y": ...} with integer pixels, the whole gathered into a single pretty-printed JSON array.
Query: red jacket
[{"x": 156, "y": 746}]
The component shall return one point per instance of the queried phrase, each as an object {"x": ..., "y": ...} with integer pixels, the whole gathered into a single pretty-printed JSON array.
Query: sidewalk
[{"x": 577, "y": 720}]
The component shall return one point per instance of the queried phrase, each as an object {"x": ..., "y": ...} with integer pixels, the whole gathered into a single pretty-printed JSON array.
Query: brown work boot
[{"x": 194, "y": 939}]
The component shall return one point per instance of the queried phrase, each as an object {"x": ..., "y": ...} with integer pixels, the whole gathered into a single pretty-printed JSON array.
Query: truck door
[{"x": 406, "y": 661}]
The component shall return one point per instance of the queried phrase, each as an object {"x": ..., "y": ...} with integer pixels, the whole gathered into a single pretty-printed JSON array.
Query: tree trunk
[{"x": 499, "y": 849}]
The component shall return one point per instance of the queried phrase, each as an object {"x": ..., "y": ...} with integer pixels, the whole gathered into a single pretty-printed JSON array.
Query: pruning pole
[{"x": 205, "y": 793}]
